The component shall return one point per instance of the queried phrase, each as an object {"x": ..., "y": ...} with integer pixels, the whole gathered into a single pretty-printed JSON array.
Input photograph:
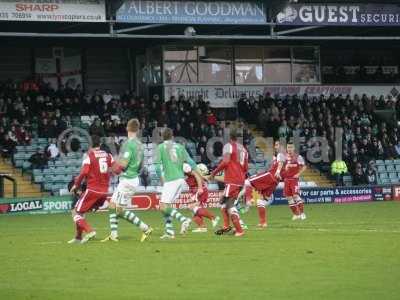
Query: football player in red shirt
[
  {"x": 293, "y": 166},
  {"x": 266, "y": 183},
  {"x": 235, "y": 167},
  {"x": 95, "y": 169},
  {"x": 198, "y": 190}
]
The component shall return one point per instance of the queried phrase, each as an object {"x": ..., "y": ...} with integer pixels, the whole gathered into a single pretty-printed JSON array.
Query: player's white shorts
[
  {"x": 172, "y": 190},
  {"x": 125, "y": 190}
]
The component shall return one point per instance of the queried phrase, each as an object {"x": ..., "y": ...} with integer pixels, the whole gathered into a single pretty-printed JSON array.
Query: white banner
[
  {"x": 53, "y": 10},
  {"x": 227, "y": 96}
]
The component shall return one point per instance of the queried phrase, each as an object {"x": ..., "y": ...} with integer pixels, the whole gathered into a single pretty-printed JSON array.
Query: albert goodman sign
[
  {"x": 192, "y": 12},
  {"x": 341, "y": 14},
  {"x": 53, "y": 10}
]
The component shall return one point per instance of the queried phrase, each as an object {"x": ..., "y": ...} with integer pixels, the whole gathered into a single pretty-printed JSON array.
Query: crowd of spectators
[
  {"x": 46, "y": 113},
  {"x": 367, "y": 135}
]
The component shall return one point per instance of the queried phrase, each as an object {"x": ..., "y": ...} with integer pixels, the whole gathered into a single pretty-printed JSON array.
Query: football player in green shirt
[
  {"x": 169, "y": 160},
  {"x": 129, "y": 163}
]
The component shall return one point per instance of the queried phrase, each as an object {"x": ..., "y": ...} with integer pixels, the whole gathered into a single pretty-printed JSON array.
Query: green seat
[
  {"x": 388, "y": 162},
  {"x": 392, "y": 175},
  {"x": 37, "y": 172},
  {"x": 18, "y": 163},
  {"x": 390, "y": 168},
  {"x": 26, "y": 165},
  {"x": 381, "y": 168},
  {"x": 38, "y": 179},
  {"x": 383, "y": 175}
]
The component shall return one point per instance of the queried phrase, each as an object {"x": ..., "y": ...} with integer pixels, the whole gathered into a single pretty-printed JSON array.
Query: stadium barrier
[{"x": 60, "y": 204}]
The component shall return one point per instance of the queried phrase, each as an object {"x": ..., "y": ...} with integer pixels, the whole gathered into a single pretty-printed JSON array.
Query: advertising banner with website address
[
  {"x": 227, "y": 96},
  {"x": 192, "y": 12},
  {"x": 352, "y": 194},
  {"x": 340, "y": 14},
  {"x": 53, "y": 10}
]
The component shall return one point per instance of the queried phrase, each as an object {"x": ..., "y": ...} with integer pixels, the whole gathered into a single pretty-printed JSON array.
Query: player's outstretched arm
[
  {"x": 82, "y": 175},
  {"x": 199, "y": 181}
]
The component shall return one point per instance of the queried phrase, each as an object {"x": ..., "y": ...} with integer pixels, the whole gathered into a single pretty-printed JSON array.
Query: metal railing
[{"x": 4, "y": 177}]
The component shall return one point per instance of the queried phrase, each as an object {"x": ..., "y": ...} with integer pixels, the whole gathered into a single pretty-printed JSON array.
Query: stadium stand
[{"x": 25, "y": 138}]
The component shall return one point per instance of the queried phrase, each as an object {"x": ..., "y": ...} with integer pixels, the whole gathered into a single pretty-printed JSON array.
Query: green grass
[{"x": 341, "y": 252}]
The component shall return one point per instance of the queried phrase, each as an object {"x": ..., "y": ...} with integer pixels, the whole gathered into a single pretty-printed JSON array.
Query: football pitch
[{"x": 349, "y": 251}]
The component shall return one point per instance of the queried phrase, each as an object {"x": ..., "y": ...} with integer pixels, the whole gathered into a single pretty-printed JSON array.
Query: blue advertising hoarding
[
  {"x": 340, "y": 14},
  {"x": 192, "y": 12},
  {"x": 340, "y": 194}
]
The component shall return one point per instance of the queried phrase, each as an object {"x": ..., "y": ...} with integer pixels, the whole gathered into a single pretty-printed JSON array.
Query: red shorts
[
  {"x": 264, "y": 183},
  {"x": 90, "y": 200},
  {"x": 232, "y": 190},
  {"x": 291, "y": 187},
  {"x": 202, "y": 198}
]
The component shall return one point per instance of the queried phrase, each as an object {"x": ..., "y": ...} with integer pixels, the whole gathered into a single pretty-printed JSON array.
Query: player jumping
[
  {"x": 95, "y": 168},
  {"x": 266, "y": 183},
  {"x": 235, "y": 167},
  {"x": 200, "y": 212},
  {"x": 293, "y": 166},
  {"x": 169, "y": 160},
  {"x": 130, "y": 163}
]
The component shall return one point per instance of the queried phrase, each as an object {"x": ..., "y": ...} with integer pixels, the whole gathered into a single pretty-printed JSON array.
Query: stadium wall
[{"x": 50, "y": 205}]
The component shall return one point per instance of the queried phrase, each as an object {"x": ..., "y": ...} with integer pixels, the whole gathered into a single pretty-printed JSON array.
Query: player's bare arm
[{"x": 199, "y": 181}]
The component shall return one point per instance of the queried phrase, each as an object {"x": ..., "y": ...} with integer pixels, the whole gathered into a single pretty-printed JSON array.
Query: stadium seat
[
  {"x": 388, "y": 162},
  {"x": 37, "y": 172},
  {"x": 397, "y": 161},
  {"x": 26, "y": 165},
  {"x": 392, "y": 175},
  {"x": 38, "y": 179},
  {"x": 383, "y": 175},
  {"x": 397, "y": 168},
  {"x": 394, "y": 180},
  {"x": 381, "y": 168},
  {"x": 390, "y": 168}
]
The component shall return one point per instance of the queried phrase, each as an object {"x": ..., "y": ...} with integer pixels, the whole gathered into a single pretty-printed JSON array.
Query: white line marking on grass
[{"x": 338, "y": 230}]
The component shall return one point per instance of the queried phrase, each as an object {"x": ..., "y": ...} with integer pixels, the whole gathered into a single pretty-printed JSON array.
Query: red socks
[
  {"x": 300, "y": 206},
  {"x": 78, "y": 229},
  {"x": 82, "y": 223},
  {"x": 262, "y": 214},
  {"x": 225, "y": 217},
  {"x": 236, "y": 223},
  {"x": 295, "y": 209}
]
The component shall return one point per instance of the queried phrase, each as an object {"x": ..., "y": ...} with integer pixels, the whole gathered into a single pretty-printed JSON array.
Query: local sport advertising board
[
  {"x": 53, "y": 10},
  {"x": 45, "y": 205},
  {"x": 150, "y": 201}
]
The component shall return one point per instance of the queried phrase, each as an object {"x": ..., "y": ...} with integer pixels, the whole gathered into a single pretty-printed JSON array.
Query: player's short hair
[
  {"x": 133, "y": 125},
  {"x": 168, "y": 134},
  {"x": 233, "y": 134},
  {"x": 95, "y": 141}
]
